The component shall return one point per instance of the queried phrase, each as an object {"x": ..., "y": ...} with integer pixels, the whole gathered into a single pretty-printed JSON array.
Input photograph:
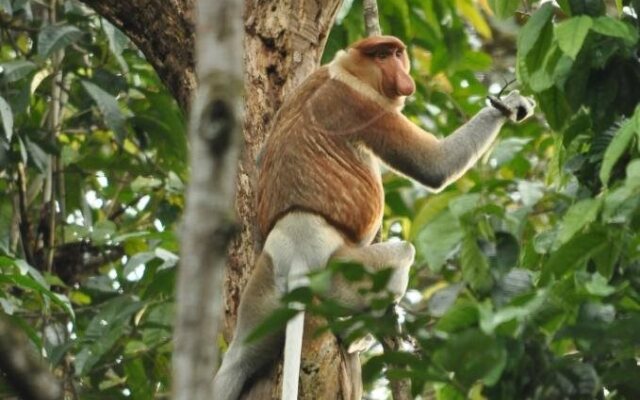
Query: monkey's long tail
[{"x": 295, "y": 329}]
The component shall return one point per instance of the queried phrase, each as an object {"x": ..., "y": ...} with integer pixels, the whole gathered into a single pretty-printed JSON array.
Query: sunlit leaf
[
  {"x": 504, "y": 8},
  {"x": 571, "y": 34},
  {"x": 475, "y": 18},
  {"x": 7, "y": 118}
]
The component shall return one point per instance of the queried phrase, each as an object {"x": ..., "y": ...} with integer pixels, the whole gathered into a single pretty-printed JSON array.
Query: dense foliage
[
  {"x": 526, "y": 284},
  {"x": 89, "y": 132}
]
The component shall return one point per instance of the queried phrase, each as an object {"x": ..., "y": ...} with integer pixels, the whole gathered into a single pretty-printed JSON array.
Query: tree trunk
[{"x": 284, "y": 42}]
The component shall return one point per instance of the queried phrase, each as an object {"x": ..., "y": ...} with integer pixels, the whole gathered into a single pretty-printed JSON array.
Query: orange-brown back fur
[{"x": 311, "y": 162}]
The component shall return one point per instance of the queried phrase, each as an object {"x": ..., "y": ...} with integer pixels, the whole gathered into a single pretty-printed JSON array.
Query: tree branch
[
  {"x": 400, "y": 388},
  {"x": 163, "y": 31},
  {"x": 371, "y": 19},
  {"x": 23, "y": 368}
]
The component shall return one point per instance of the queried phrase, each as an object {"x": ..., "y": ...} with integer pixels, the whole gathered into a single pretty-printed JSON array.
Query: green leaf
[
  {"x": 5, "y": 5},
  {"x": 620, "y": 204},
  {"x": 28, "y": 282},
  {"x": 437, "y": 240},
  {"x": 138, "y": 381},
  {"x": 15, "y": 70},
  {"x": 515, "y": 283},
  {"x": 523, "y": 309},
  {"x": 275, "y": 322},
  {"x": 7, "y": 118},
  {"x": 449, "y": 392},
  {"x": 571, "y": 34},
  {"x": 572, "y": 255},
  {"x": 464, "y": 204},
  {"x": 472, "y": 356},
  {"x": 504, "y": 8},
  {"x": 56, "y": 37},
  {"x": 108, "y": 326},
  {"x": 530, "y": 33},
  {"x": 103, "y": 231},
  {"x": 599, "y": 286},
  {"x": 443, "y": 299},
  {"x": 505, "y": 150},
  {"x": 577, "y": 217},
  {"x": 587, "y": 7},
  {"x": 616, "y": 148},
  {"x": 553, "y": 104},
  {"x": 475, "y": 267},
  {"x": 615, "y": 28},
  {"x": 117, "y": 43},
  {"x": 109, "y": 108},
  {"x": 434, "y": 205},
  {"x": 463, "y": 314}
]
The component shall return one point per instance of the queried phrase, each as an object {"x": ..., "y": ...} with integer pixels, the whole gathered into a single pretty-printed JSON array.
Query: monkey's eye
[
  {"x": 382, "y": 55},
  {"x": 399, "y": 53}
]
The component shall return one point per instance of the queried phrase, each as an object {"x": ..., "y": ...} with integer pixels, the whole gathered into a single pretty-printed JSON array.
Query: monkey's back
[{"x": 312, "y": 163}]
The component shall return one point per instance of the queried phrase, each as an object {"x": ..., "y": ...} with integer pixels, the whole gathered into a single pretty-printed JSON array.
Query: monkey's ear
[
  {"x": 371, "y": 45},
  {"x": 336, "y": 109}
]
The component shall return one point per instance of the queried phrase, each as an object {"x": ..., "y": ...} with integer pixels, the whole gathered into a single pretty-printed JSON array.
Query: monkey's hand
[{"x": 514, "y": 106}]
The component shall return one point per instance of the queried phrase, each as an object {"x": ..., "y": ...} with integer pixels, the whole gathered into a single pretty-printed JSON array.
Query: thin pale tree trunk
[{"x": 214, "y": 137}]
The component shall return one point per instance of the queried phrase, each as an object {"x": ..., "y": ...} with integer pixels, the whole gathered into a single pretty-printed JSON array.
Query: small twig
[
  {"x": 371, "y": 19},
  {"x": 456, "y": 106},
  {"x": 400, "y": 388},
  {"x": 506, "y": 85},
  {"x": 113, "y": 214},
  {"x": 25, "y": 232}
]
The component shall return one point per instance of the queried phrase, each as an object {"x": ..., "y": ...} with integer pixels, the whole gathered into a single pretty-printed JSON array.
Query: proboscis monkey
[{"x": 320, "y": 194}]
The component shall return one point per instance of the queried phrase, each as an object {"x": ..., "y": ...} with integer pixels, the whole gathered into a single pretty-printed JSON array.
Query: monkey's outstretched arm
[{"x": 435, "y": 163}]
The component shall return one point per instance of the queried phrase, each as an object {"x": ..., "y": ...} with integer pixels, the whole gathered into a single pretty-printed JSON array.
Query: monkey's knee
[
  {"x": 401, "y": 265},
  {"x": 398, "y": 255}
]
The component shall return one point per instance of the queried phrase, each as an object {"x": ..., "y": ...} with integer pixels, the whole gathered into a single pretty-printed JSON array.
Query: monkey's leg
[
  {"x": 242, "y": 360},
  {"x": 396, "y": 255}
]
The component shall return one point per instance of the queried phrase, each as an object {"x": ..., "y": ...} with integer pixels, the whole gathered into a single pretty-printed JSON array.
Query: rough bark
[
  {"x": 284, "y": 41},
  {"x": 215, "y": 137},
  {"x": 164, "y": 31}
]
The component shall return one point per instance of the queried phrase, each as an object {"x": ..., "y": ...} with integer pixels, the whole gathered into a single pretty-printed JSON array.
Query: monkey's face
[
  {"x": 394, "y": 66},
  {"x": 383, "y": 62}
]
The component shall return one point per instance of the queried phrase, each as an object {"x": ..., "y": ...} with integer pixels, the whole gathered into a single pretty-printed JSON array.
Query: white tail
[{"x": 295, "y": 330}]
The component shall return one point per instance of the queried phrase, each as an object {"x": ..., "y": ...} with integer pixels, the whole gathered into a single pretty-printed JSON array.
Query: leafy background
[{"x": 526, "y": 283}]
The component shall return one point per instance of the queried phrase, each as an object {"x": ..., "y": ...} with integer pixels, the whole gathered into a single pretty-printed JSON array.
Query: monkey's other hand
[{"x": 517, "y": 107}]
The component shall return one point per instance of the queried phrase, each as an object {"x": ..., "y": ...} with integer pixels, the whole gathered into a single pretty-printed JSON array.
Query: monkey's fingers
[{"x": 500, "y": 106}]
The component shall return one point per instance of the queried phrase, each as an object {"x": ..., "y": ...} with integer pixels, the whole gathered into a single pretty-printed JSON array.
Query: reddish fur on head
[{"x": 388, "y": 57}]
